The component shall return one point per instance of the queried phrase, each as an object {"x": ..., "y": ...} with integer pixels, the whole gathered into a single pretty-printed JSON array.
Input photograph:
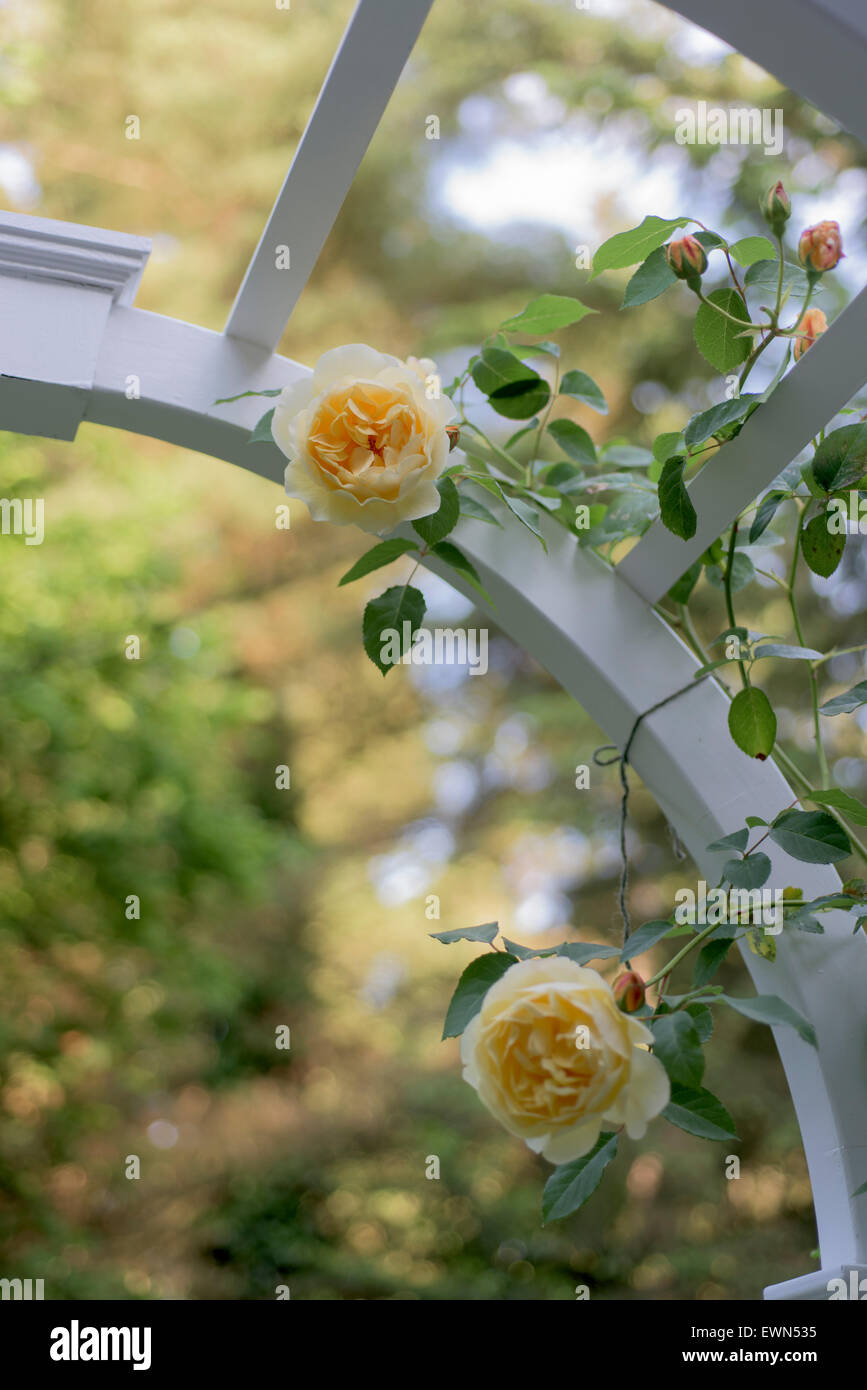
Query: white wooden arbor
[{"x": 73, "y": 347}]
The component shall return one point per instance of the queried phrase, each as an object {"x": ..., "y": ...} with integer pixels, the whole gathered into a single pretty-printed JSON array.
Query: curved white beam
[
  {"x": 817, "y": 48},
  {"x": 377, "y": 42},
  {"x": 607, "y": 647}
]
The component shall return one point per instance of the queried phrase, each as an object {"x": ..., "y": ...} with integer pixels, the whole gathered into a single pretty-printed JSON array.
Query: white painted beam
[
  {"x": 38, "y": 248},
  {"x": 818, "y": 1285},
  {"x": 58, "y": 283},
  {"x": 365, "y": 70},
  {"x": 826, "y": 377},
  {"x": 817, "y": 48}
]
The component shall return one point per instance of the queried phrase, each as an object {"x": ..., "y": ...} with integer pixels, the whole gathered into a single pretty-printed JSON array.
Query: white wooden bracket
[
  {"x": 843, "y": 1282},
  {"x": 58, "y": 283}
]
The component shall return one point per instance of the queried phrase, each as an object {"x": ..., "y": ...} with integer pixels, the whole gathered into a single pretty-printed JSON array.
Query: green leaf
[
  {"x": 522, "y": 952},
  {"x": 570, "y": 1185},
  {"x": 548, "y": 349},
  {"x": 709, "y": 240},
  {"x": 262, "y": 433},
  {"x": 646, "y": 936},
  {"x": 812, "y": 836},
  {"x": 678, "y": 513},
  {"x": 582, "y": 951},
  {"x": 785, "y": 652},
  {"x": 391, "y": 610},
  {"x": 464, "y": 567},
  {"x": 753, "y": 821},
  {"x": 751, "y": 249},
  {"x": 475, "y": 510},
  {"x": 226, "y": 400},
  {"x": 561, "y": 475},
  {"x": 498, "y": 367},
  {"x": 487, "y": 933},
  {"x": 582, "y": 387},
  {"x": 822, "y": 549},
  {"x": 438, "y": 524},
  {"x": 845, "y": 900},
  {"x": 762, "y": 277},
  {"x": 710, "y": 422},
  {"x": 519, "y": 434},
  {"x": 844, "y": 704},
  {"x": 752, "y": 722},
  {"x": 752, "y": 872},
  {"x": 547, "y": 313},
  {"x": 382, "y": 554},
  {"x": 681, "y": 590},
  {"x": 627, "y": 455},
  {"x": 664, "y": 445},
  {"x": 743, "y": 573},
  {"x": 805, "y": 921},
  {"x": 473, "y": 985},
  {"x": 768, "y": 1008},
  {"x": 652, "y": 278},
  {"x": 736, "y": 840},
  {"x": 716, "y": 337},
  {"x": 709, "y": 960},
  {"x": 859, "y": 1191},
  {"x": 628, "y": 248},
  {"x": 841, "y": 459},
  {"x": 677, "y": 1045},
  {"x": 526, "y": 515},
  {"x": 761, "y": 944},
  {"x": 699, "y": 1112},
  {"x": 518, "y": 400},
  {"x": 765, "y": 514},
  {"x": 574, "y": 441},
  {"x": 702, "y": 1018}
]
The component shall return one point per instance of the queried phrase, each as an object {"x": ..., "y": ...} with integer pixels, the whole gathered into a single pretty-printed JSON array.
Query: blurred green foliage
[{"x": 156, "y": 777}]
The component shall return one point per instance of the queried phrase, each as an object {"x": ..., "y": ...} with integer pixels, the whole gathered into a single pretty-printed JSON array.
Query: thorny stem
[
  {"x": 730, "y": 607},
  {"x": 537, "y": 446},
  {"x": 675, "y": 960},
  {"x": 824, "y": 773}
]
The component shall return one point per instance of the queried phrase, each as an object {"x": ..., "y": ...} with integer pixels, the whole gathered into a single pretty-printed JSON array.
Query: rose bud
[
  {"x": 821, "y": 247},
  {"x": 812, "y": 324},
  {"x": 629, "y": 992},
  {"x": 687, "y": 258},
  {"x": 776, "y": 208},
  {"x": 454, "y": 435}
]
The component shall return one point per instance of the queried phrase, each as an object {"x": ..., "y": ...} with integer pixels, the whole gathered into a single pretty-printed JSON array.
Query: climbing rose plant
[{"x": 563, "y": 1057}]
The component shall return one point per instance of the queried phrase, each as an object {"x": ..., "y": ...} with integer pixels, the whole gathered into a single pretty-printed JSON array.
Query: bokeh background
[{"x": 306, "y": 907}]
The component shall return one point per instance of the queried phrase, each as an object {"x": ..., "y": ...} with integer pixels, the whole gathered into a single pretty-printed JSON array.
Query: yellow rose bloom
[
  {"x": 554, "y": 1059},
  {"x": 366, "y": 438}
]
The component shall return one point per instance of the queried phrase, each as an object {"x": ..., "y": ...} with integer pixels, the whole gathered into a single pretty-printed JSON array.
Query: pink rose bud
[
  {"x": 687, "y": 258},
  {"x": 812, "y": 324},
  {"x": 821, "y": 247},
  {"x": 629, "y": 992},
  {"x": 776, "y": 208}
]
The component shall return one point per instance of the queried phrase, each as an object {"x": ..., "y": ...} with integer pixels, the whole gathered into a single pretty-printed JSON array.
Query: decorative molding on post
[
  {"x": 59, "y": 285},
  {"x": 36, "y": 248}
]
